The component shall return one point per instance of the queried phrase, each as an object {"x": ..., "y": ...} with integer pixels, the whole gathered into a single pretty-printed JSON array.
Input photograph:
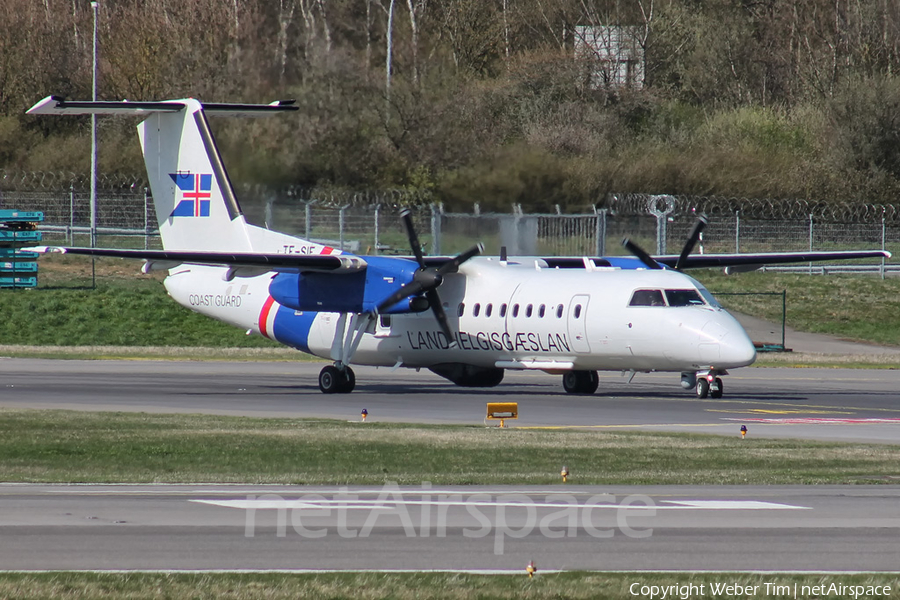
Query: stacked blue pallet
[{"x": 18, "y": 229}]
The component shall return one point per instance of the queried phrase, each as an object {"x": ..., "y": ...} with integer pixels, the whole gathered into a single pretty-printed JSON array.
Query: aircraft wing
[
  {"x": 749, "y": 261},
  {"x": 259, "y": 261}
]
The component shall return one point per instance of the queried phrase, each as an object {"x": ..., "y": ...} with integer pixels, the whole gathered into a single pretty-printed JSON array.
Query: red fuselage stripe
[{"x": 264, "y": 316}]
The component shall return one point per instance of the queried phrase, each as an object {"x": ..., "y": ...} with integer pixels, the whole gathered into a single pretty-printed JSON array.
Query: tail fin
[{"x": 196, "y": 208}]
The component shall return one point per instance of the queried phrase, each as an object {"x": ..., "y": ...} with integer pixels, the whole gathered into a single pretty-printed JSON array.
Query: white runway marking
[
  {"x": 735, "y": 505},
  {"x": 301, "y": 504}
]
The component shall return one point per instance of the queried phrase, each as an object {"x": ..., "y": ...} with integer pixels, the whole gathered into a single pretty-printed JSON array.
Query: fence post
[
  {"x": 146, "y": 219},
  {"x": 377, "y": 210},
  {"x": 341, "y": 227},
  {"x": 737, "y": 231},
  {"x": 662, "y": 216},
  {"x": 600, "y": 232},
  {"x": 810, "y": 241},
  {"x": 70, "y": 235},
  {"x": 883, "y": 235},
  {"x": 436, "y": 212},
  {"x": 307, "y": 218}
]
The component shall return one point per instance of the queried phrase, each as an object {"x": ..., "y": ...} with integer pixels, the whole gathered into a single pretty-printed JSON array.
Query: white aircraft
[{"x": 467, "y": 318}]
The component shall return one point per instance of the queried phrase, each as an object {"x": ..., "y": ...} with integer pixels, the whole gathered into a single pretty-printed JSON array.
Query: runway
[
  {"x": 820, "y": 404},
  {"x": 192, "y": 527},
  {"x": 188, "y": 527}
]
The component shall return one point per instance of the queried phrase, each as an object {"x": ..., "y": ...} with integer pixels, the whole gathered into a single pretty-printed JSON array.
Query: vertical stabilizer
[
  {"x": 196, "y": 208},
  {"x": 195, "y": 203}
]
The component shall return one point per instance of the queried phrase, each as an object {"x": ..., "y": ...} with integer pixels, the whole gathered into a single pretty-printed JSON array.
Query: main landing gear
[
  {"x": 336, "y": 380},
  {"x": 581, "y": 382}
]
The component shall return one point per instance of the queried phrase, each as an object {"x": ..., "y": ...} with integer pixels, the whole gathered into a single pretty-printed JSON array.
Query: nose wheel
[
  {"x": 712, "y": 388},
  {"x": 334, "y": 380}
]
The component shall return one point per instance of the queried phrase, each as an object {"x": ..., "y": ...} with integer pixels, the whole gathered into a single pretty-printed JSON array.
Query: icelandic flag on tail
[{"x": 196, "y": 191}]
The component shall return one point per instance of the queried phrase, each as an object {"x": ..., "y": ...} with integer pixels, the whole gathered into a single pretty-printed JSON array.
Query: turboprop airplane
[{"x": 467, "y": 318}]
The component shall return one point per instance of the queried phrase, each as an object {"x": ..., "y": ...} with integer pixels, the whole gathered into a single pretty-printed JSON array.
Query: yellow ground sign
[{"x": 502, "y": 410}]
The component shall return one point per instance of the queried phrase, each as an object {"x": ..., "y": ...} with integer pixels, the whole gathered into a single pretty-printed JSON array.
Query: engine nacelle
[
  {"x": 468, "y": 375},
  {"x": 356, "y": 292}
]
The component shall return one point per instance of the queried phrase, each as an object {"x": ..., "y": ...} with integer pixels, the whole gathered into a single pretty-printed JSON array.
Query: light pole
[{"x": 94, "y": 6}]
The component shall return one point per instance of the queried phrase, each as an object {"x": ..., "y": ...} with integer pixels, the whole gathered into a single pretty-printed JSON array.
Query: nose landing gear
[{"x": 708, "y": 384}]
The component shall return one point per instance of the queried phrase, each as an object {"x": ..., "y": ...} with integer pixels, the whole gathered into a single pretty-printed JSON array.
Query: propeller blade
[
  {"x": 452, "y": 265},
  {"x": 699, "y": 226},
  {"x": 640, "y": 254},
  {"x": 438, "y": 309},
  {"x": 413, "y": 238},
  {"x": 410, "y": 289}
]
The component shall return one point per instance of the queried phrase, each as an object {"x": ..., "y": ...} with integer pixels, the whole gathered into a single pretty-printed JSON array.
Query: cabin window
[
  {"x": 577, "y": 311},
  {"x": 488, "y": 310},
  {"x": 541, "y": 311},
  {"x": 684, "y": 298},
  {"x": 462, "y": 309},
  {"x": 559, "y": 311},
  {"x": 515, "y": 310},
  {"x": 647, "y": 298},
  {"x": 528, "y": 310},
  {"x": 502, "y": 311},
  {"x": 385, "y": 321},
  {"x": 476, "y": 309}
]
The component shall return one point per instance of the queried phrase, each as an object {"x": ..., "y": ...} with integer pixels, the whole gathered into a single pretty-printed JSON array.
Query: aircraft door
[{"x": 578, "y": 323}]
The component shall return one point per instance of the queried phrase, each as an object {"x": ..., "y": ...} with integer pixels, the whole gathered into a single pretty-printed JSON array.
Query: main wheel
[
  {"x": 592, "y": 383},
  {"x": 702, "y": 387},
  {"x": 331, "y": 380},
  {"x": 580, "y": 382},
  {"x": 348, "y": 381},
  {"x": 717, "y": 393}
]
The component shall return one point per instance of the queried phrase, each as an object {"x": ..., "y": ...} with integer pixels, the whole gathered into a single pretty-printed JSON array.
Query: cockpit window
[
  {"x": 684, "y": 298},
  {"x": 647, "y": 298}
]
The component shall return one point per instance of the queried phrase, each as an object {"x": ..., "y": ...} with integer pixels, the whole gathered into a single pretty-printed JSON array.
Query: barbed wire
[
  {"x": 621, "y": 204},
  {"x": 756, "y": 208},
  {"x": 35, "y": 181}
]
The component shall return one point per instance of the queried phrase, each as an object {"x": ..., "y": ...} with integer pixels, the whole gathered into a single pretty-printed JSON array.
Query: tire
[
  {"x": 348, "y": 381},
  {"x": 717, "y": 393},
  {"x": 702, "y": 387},
  {"x": 330, "y": 380},
  {"x": 571, "y": 382},
  {"x": 580, "y": 382},
  {"x": 592, "y": 383}
]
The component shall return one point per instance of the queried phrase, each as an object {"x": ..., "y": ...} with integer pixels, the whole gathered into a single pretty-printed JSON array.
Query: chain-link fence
[{"x": 369, "y": 223}]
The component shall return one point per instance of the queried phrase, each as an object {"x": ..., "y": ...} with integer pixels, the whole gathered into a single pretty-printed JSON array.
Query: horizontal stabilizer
[{"x": 54, "y": 105}]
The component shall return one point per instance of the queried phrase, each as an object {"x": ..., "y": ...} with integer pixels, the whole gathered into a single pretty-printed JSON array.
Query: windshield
[{"x": 684, "y": 298}]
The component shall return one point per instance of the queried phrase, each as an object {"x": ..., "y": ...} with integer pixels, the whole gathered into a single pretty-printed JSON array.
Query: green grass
[
  {"x": 62, "y": 446},
  {"x": 403, "y": 586},
  {"x": 854, "y": 307}
]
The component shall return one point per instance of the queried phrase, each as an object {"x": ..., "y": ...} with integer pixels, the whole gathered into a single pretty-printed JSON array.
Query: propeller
[
  {"x": 699, "y": 226},
  {"x": 427, "y": 279},
  {"x": 651, "y": 263}
]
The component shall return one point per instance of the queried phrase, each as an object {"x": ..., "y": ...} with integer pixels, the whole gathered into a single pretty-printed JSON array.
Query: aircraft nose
[
  {"x": 736, "y": 349},
  {"x": 725, "y": 344}
]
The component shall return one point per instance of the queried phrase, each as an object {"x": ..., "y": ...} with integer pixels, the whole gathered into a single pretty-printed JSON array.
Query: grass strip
[
  {"x": 68, "y": 446},
  {"x": 276, "y": 354},
  {"x": 401, "y": 586}
]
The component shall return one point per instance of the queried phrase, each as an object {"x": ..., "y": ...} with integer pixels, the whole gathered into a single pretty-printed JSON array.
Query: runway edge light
[
  {"x": 531, "y": 569},
  {"x": 564, "y": 473},
  {"x": 364, "y": 414},
  {"x": 743, "y": 431}
]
